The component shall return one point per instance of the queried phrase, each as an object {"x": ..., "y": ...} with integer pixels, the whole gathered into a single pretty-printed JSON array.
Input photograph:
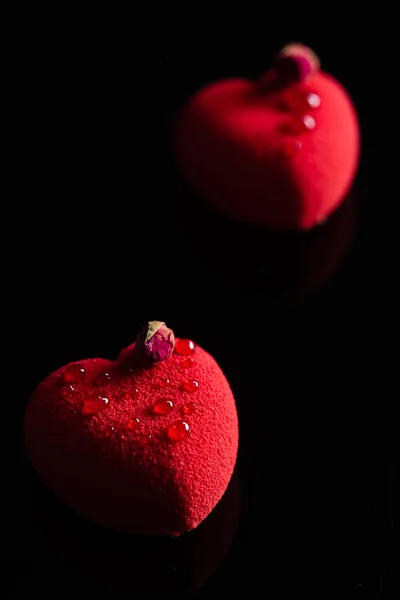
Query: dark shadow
[
  {"x": 118, "y": 564},
  {"x": 285, "y": 264}
]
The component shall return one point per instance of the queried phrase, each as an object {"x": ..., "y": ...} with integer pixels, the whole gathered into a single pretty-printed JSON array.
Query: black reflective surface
[{"x": 116, "y": 239}]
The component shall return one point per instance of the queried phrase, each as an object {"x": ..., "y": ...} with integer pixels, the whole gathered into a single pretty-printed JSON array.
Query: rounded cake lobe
[
  {"x": 259, "y": 153},
  {"x": 118, "y": 466}
]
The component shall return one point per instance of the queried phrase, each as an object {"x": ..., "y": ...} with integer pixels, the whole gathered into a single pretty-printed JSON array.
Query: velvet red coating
[
  {"x": 262, "y": 154},
  {"x": 129, "y": 475}
]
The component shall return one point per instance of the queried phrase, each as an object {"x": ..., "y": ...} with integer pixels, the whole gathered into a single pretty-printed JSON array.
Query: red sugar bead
[
  {"x": 185, "y": 347},
  {"x": 190, "y": 386},
  {"x": 102, "y": 378},
  {"x": 163, "y": 407},
  {"x": 189, "y": 408},
  {"x": 94, "y": 404},
  {"x": 131, "y": 425},
  {"x": 74, "y": 373},
  {"x": 178, "y": 431}
]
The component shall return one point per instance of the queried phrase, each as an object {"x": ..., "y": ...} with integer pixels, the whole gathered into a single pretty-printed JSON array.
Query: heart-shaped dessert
[
  {"x": 145, "y": 444},
  {"x": 280, "y": 152}
]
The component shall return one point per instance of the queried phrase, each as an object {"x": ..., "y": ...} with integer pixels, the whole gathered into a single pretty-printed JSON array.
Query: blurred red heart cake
[{"x": 280, "y": 152}]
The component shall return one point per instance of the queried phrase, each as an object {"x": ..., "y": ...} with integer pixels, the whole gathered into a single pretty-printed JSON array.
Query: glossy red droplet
[
  {"x": 189, "y": 408},
  {"x": 308, "y": 122},
  {"x": 187, "y": 363},
  {"x": 313, "y": 100},
  {"x": 133, "y": 424},
  {"x": 163, "y": 407},
  {"x": 185, "y": 347},
  {"x": 164, "y": 383},
  {"x": 300, "y": 101},
  {"x": 74, "y": 373},
  {"x": 94, "y": 404},
  {"x": 178, "y": 431},
  {"x": 190, "y": 386},
  {"x": 301, "y": 124},
  {"x": 102, "y": 378},
  {"x": 291, "y": 148},
  {"x": 132, "y": 394}
]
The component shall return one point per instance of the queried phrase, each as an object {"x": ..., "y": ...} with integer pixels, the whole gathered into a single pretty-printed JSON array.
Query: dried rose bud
[
  {"x": 297, "y": 62},
  {"x": 155, "y": 341},
  {"x": 293, "y": 64}
]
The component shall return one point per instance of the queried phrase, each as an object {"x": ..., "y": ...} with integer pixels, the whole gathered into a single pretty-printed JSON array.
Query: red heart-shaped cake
[
  {"x": 280, "y": 152},
  {"x": 145, "y": 444}
]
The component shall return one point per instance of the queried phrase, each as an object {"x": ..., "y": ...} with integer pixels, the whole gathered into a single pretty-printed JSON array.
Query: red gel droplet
[
  {"x": 190, "y": 386},
  {"x": 296, "y": 101},
  {"x": 184, "y": 347},
  {"x": 94, "y": 404},
  {"x": 102, "y": 378},
  {"x": 164, "y": 383},
  {"x": 163, "y": 407},
  {"x": 308, "y": 122},
  {"x": 188, "y": 362},
  {"x": 301, "y": 124},
  {"x": 291, "y": 148},
  {"x": 144, "y": 440},
  {"x": 178, "y": 431},
  {"x": 313, "y": 100},
  {"x": 189, "y": 408},
  {"x": 74, "y": 373},
  {"x": 132, "y": 394},
  {"x": 131, "y": 425}
]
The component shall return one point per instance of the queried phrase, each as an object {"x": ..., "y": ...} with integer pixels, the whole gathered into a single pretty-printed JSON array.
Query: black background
[{"x": 113, "y": 238}]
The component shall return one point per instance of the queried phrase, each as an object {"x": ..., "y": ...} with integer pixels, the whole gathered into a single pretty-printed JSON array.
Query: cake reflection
[
  {"x": 246, "y": 258},
  {"x": 130, "y": 564}
]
